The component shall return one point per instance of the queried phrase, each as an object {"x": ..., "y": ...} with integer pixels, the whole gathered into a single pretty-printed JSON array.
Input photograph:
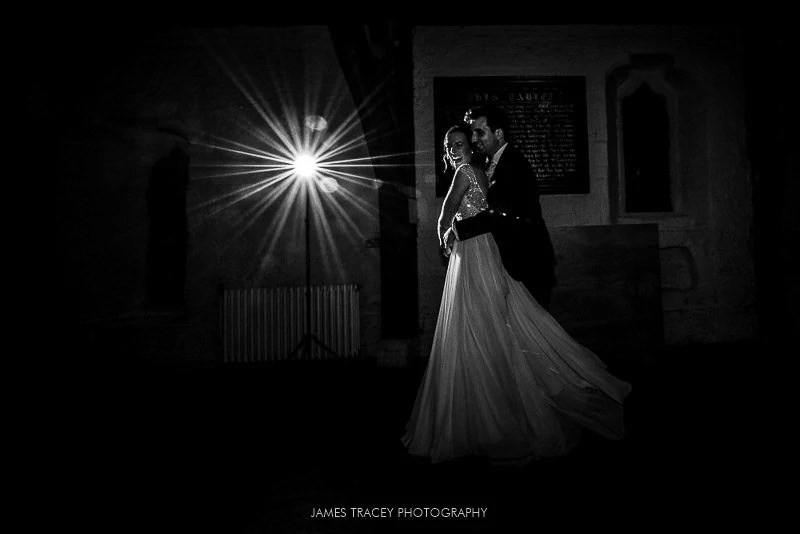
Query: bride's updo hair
[{"x": 464, "y": 128}]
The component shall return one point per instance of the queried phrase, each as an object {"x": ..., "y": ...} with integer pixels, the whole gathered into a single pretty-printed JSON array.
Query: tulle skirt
[{"x": 504, "y": 379}]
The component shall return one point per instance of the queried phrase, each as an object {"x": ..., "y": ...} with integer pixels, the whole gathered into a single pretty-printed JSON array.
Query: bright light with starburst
[
  {"x": 284, "y": 159},
  {"x": 305, "y": 166}
]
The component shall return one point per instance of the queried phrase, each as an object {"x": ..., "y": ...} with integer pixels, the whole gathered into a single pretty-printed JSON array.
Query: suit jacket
[{"x": 515, "y": 219}]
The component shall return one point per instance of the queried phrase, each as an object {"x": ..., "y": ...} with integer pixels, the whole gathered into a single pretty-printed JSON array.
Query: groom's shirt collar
[{"x": 496, "y": 157}]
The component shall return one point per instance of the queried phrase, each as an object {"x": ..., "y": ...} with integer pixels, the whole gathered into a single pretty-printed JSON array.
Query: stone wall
[
  {"x": 138, "y": 95},
  {"x": 706, "y": 262}
]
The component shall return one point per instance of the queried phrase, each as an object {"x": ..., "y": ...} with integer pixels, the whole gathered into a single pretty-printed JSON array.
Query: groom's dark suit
[{"x": 515, "y": 219}]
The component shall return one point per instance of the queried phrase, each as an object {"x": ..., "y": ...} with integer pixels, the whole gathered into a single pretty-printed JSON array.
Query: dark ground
[{"x": 255, "y": 449}]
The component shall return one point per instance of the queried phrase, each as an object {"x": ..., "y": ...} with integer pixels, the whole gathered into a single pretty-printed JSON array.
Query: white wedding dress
[{"x": 504, "y": 379}]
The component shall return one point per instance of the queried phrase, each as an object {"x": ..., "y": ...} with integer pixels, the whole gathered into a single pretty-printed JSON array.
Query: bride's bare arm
[{"x": 451, "y": 203}]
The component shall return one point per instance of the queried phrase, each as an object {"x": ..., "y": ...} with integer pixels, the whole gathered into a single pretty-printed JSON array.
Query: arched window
[
  {"x": 646, "y": 141},
  {"x": 657, "y": 144}
]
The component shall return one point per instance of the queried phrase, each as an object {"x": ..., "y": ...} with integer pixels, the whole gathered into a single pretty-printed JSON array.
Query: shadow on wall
[{"x": 608, "y": 295}]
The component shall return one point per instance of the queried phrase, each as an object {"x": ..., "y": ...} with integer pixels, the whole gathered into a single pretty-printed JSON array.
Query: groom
[{"x": 514, "y": 216}]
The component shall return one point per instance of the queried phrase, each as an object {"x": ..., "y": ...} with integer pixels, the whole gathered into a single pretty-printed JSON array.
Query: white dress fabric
[{"x": 504, "y": 380}]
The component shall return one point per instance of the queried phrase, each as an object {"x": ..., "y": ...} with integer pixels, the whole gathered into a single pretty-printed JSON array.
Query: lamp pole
[
  {"x": 309, "y": 337},
  {"x": 308, "y": 265}
]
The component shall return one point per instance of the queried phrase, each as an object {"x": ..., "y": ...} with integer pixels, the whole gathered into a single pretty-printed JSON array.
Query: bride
[{"x": 504, "y": 380}]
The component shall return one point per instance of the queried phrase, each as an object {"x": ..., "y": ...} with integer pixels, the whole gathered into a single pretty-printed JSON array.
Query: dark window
[{"x": 646, "y": 151}]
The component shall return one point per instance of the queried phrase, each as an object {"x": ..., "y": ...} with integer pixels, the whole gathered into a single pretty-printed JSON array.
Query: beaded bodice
[{"x": 474, "y": 200}]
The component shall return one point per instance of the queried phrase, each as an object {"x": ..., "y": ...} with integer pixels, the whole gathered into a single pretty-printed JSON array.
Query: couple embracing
[{"x": 504, "y": 380}]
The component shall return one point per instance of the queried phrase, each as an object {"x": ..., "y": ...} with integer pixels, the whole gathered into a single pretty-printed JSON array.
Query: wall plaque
[{"x": 547, "y": 118}]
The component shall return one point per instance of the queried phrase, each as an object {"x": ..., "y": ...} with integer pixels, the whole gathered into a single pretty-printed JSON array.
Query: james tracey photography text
[{"x": 400, "y": 513}]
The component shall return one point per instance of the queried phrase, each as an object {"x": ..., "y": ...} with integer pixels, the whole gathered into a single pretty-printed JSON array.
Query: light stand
[{"x": 305, "y": 343}]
